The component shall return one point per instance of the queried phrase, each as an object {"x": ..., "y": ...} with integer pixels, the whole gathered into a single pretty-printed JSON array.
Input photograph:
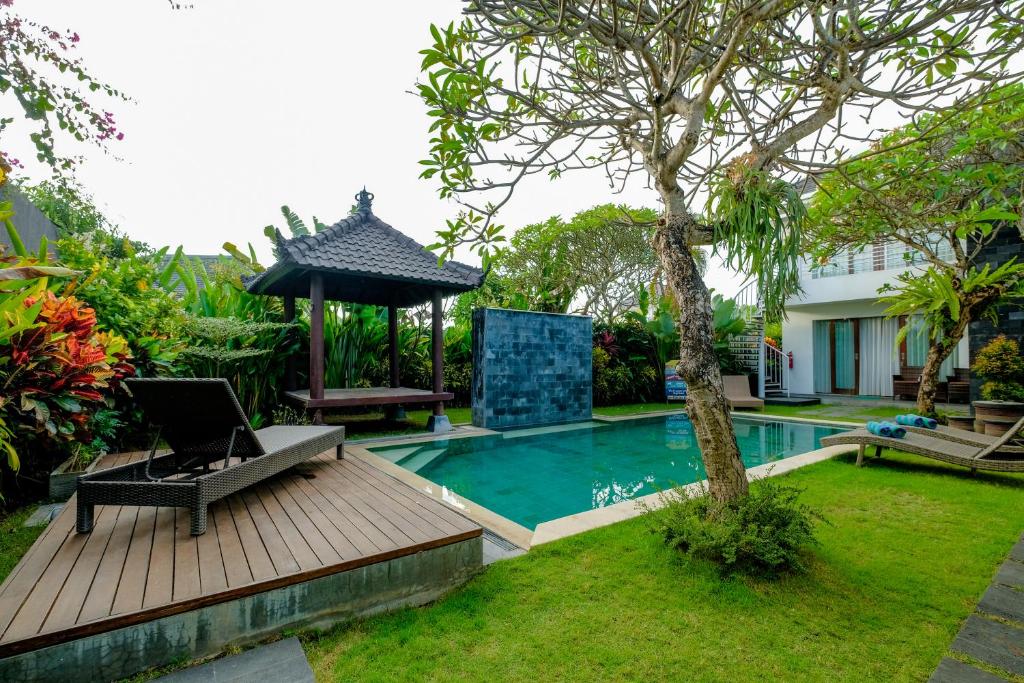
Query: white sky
[{"x": 239, "y": 108}]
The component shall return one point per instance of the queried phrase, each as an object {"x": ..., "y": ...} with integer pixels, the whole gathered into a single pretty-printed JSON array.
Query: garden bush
[
  {"x": 764, "y": 534},
  {"x": 1000, "y": 366}
]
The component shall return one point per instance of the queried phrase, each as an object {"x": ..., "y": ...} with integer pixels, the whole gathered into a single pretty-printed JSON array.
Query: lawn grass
[
  {"x": 374, "y": 425},
  {"x": 910, "y": 547},
  {"x": 824, "y": 411},
  {"x": 16, "y": 539}
]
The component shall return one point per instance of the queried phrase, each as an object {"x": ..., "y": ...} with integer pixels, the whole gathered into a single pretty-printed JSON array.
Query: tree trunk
[
  {"x": 938, "y": 350},
  {"x": 698, "y": 364}
]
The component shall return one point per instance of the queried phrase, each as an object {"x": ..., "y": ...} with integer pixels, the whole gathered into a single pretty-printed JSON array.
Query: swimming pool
[{"x": 535, "y": 475}]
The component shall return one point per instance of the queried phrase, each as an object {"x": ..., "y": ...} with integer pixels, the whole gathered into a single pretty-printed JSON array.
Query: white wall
[{"x": 797, "y": 336}]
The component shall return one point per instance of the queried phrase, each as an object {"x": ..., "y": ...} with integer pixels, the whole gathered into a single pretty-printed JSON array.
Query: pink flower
[{"x": 120, "y": 136}]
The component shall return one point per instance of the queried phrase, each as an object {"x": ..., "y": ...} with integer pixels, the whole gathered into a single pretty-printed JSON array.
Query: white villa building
[{"x": 840, "y": 340}]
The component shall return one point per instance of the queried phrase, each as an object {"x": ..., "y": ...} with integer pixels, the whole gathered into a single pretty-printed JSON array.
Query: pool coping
[{"x": 587, "y": 520}]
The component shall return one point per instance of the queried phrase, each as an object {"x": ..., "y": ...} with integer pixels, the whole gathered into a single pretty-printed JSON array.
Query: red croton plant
[{"x": 60, "y": 372}]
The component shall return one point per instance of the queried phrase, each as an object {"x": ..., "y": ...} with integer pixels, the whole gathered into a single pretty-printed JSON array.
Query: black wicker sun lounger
[{"x": 214, "y": 451}]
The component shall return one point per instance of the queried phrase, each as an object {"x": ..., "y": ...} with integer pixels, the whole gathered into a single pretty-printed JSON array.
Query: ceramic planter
[
  {"x": 62, "y": 480},
  {"x": 998, "y": 410},
  {"x": 961, "y": 422}
]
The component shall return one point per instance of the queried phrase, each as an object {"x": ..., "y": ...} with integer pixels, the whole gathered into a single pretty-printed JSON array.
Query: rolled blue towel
[
  {"x": 895, "y": 430},
  {"x": 912, "y": 420},
  {"x": 880, "y": 428}
]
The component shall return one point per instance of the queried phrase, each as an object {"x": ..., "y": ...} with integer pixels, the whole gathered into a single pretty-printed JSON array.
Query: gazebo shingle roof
[{"x": 363, "y": 260}]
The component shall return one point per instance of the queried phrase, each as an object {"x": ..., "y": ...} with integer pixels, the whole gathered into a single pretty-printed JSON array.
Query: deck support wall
[{"x": 408, "y": 580}]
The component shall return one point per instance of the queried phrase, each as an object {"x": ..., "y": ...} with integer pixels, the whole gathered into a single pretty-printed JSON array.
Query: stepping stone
[
  {"x": 44, "y": 514},
  {"x": 1003, "y": 602},
  {"x": 280, "y": 662},
  {"x": 1011, "y": 574},
  {"x": 953, "y": 671},
  {"x": 992, "y": 642},
  {"x": 1017, "y": 553}
]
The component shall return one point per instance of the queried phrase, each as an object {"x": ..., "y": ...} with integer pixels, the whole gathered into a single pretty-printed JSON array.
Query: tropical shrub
[
  {"x": 249, "y": 354},
  {"x": 625, "y": 365},
  {"x": 122, "y": 286},
  {"x": 58, "y": 378},
  {"x": 1001, "y": 367},
  {"x": 765, "y": 533}
]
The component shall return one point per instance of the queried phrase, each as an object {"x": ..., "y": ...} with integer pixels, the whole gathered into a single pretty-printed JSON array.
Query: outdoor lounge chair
[
  {"x": 737, "y": 392},
  {"x": 1004, "y": 454},
  {"x": 214, "y": 451},
  {"x": 964, "y": 436}
]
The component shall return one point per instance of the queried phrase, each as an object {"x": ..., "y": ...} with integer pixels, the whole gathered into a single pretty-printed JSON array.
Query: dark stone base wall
[
  {"x": 530, "y": 368},
  {"x": 1011, "y": 318}
]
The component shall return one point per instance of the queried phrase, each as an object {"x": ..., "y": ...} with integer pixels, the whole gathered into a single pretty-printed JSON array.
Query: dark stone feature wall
[
  {"x": 530, "y": 368},
  {"x": 1005, "y": 246}
]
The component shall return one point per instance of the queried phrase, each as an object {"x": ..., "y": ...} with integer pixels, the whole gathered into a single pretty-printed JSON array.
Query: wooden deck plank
[
  {"x": 342, "y": 546},
  {"x": 101, "y": 594},
  {"x": 318, "y": 543},
  {"x": 298, "y": 545},
  {"x": 212, "y": 574},
  {"x": 186, "y": 558},
  {"x": 253, "y": 545},
  {"x": 351, "y": 529},
  {"x": 236, "y": 570},
  {"x": 439, "y": 513},
  {"x": 160, "y": 577},
  {"x": 132, "y": 585},
  {"x": 425, "y": 519},
  {"x": 354, "y": 516},
  {"x": 47, "y": 591},
  {"x": 327, "y": 516},
  {"x": 26, "y": 574},
  {"x": 281, "y": 555}
]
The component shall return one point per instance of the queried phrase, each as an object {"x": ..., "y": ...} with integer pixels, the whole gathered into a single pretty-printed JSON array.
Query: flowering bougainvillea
[{"x": 39, "y": 70}]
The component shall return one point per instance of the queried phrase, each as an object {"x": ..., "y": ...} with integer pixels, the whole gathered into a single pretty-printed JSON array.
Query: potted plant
[
  {"x": 102, "y": 426},
  {"x": 1001, "y": 368}
]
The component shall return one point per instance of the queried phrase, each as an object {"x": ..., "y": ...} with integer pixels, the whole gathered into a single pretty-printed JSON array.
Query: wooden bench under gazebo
[{"x": 363, "y": 260}]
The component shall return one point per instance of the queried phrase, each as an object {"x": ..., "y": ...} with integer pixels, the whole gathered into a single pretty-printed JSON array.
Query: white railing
[
  {"x": 888, "y": 256},
  {"x": 776, "y": 369},
  {"x": 748, "y": 299}
]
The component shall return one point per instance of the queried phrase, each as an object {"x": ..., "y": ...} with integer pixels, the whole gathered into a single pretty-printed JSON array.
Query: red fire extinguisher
[{"x": 790, "y": 354}]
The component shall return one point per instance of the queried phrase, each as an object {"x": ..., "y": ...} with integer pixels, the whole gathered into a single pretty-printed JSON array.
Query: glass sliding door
[
  {"x": 836, "y": 365},
  {"x": 844, "y": 356}
]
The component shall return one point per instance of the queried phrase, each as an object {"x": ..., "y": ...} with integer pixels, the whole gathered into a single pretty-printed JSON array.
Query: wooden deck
[
  {"x": 368, "y": 396},
  {"x": 140, "y": 564}
]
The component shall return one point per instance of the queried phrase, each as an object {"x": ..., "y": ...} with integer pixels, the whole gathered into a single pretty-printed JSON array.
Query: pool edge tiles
[{"x": 577, "y": 523}]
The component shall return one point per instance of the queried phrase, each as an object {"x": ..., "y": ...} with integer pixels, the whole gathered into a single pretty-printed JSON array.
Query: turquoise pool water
[{"x": 536, "y": 475}]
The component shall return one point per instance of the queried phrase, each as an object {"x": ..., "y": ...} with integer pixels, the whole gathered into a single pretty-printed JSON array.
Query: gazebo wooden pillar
[
  {"x": 438, "y": 422},
  {"x": 361, "y": 259}
]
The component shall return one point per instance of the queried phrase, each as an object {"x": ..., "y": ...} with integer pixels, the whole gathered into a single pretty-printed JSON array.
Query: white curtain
[{"x": 879, "y": 357}]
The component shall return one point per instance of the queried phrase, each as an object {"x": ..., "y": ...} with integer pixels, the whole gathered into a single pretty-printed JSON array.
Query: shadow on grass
[{"x": 898, "y": 461}]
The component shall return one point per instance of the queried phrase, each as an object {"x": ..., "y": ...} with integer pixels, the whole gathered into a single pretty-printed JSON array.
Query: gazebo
[{"x": 362, "y": 259}]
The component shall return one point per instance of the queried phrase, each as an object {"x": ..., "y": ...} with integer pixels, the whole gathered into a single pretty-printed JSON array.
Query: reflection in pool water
[{"x": 535, "y": 475}]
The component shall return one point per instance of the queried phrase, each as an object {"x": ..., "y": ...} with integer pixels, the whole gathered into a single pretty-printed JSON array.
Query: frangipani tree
[
  {"x": 943, "y": 188},
  {"x": 717, "y": 98}
]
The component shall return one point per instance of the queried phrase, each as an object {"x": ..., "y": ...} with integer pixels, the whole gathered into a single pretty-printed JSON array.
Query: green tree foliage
[{"x": 943, "y": 188}]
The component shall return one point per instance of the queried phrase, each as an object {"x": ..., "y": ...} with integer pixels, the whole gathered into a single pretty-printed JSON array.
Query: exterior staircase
[{"x": 769, "y": 363}]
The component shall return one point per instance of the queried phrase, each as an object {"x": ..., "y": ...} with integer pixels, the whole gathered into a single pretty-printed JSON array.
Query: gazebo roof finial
[{"x": 364, "y": 201}]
